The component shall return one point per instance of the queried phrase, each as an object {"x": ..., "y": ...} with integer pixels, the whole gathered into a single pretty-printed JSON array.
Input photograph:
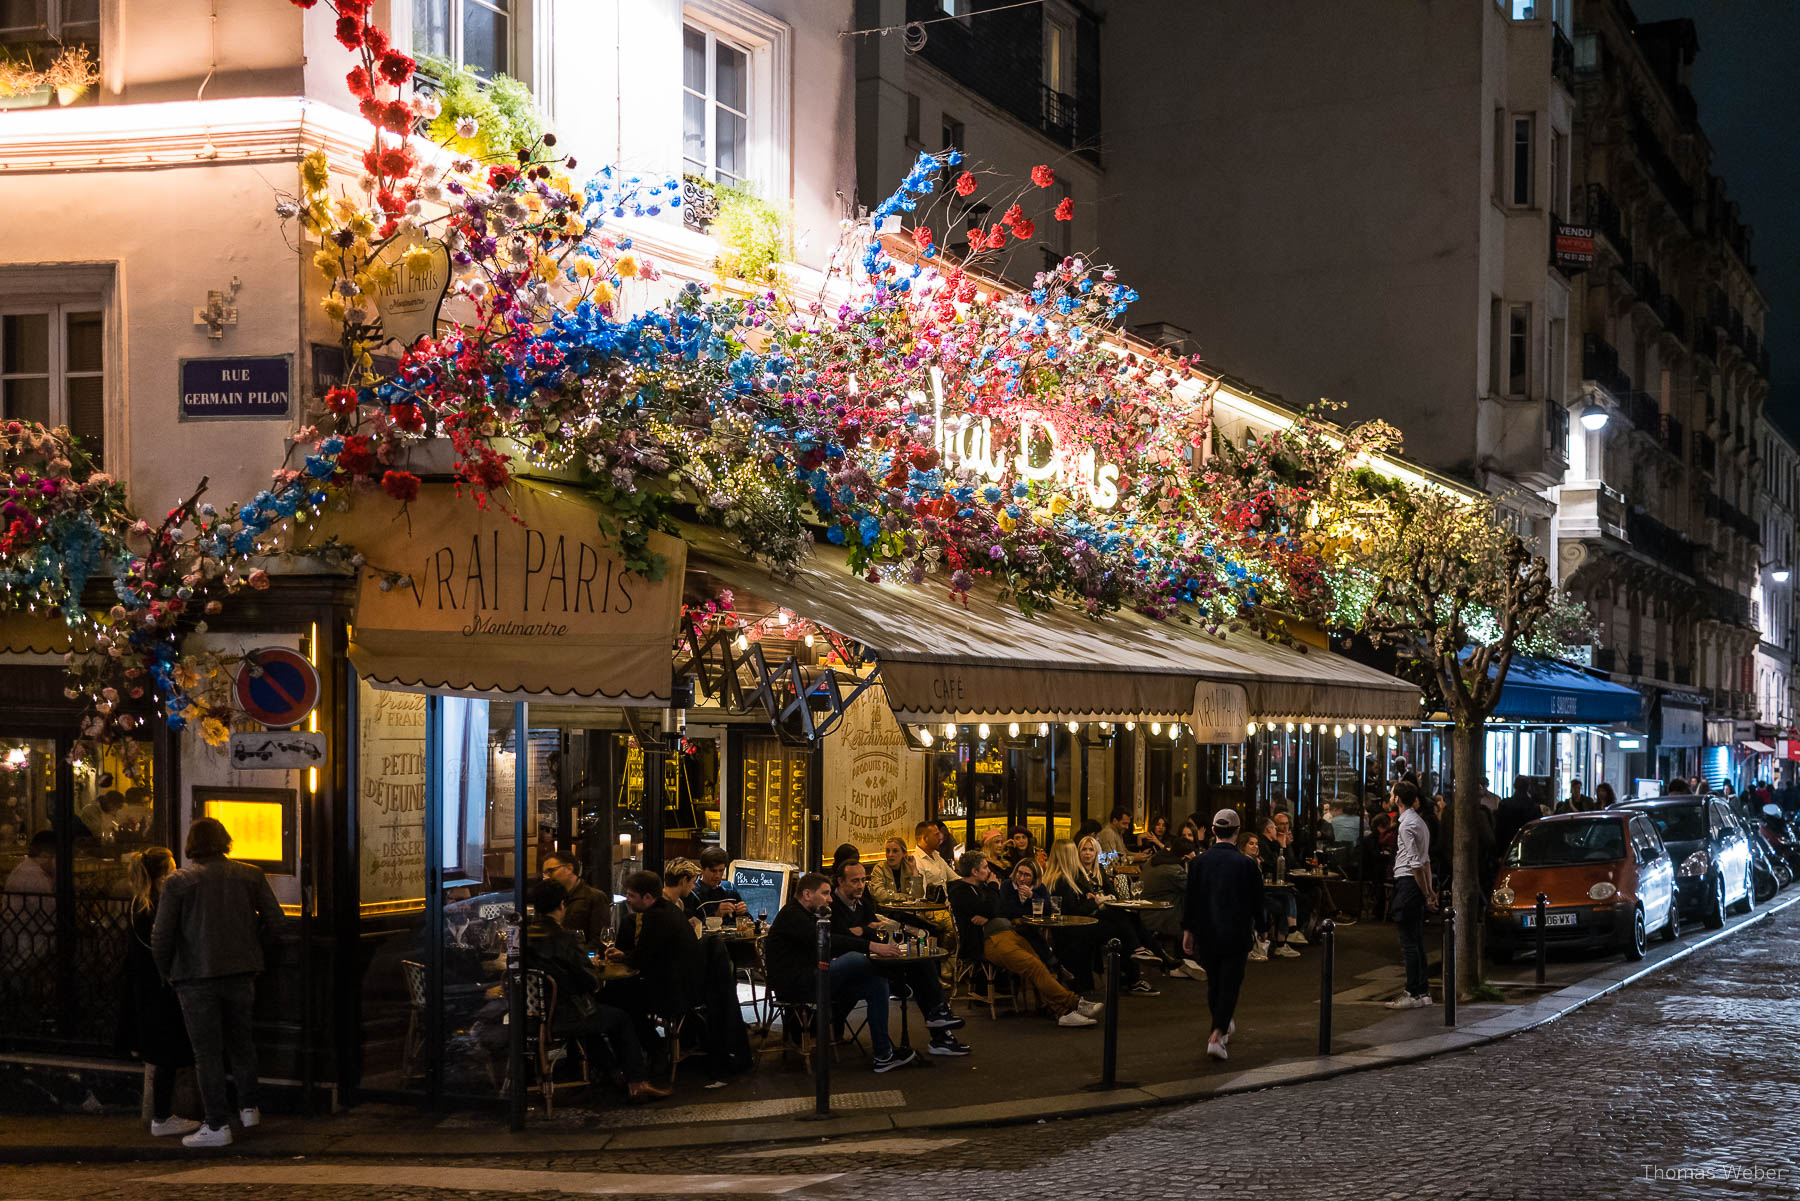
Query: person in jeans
[
  {"x": 985, "y": 934},
  {"x": 790, "y": 954},
  {"x": 151, "y": 1026},
  {"x": 1218, "y": 919},
  {"x": 208, "y": 940},
  {"x": 856, "y": 926},
  {"x": 1413, "y": 895}
]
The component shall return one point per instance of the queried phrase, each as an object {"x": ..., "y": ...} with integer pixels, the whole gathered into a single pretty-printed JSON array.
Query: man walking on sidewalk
[
  {"x": 1413, "y": 895},
  {"x": 1224, "y": 898}
]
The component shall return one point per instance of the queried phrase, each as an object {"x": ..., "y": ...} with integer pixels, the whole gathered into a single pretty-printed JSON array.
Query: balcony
[
  {"x": 1708, "y": 342},
  {"x": 1059, "y": 117},
  {"x": 1684, "y": 675},
  {"x": 1562, "y": 56},
  {"x": 1600, "y": 363},
  {"x": 1662, "y": 669},
  {"x": 1656, "y": 540},
  {"x": 1643, "y": 412},
  {"x": 1603, "y": 215},
  {"x": 1606, "y": 658},
  {"x": 1556, "y": 425},
  {"x": 1647, "y": 286},
  {"x": 1662, "y": 170},
  {"x": 1706, "y": 453},
  {"x": 1673, "y": 317},
  {"x": 1590, "y": 510},
  {"x": 1722, "y": 604}
]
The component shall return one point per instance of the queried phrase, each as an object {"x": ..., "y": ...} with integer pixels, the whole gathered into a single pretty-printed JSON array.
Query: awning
[
  {"x": 944, "y": 659},
  {"x": 36, "y": 634},
  {"x": 1756, "y": 747},
  {"x": 1546, "y": 690},
  {"x": 525, "y": 600}
]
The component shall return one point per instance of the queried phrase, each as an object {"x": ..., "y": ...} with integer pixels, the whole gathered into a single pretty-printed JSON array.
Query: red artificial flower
[
  {"x": 996, "y": 238},
  {"x": 975, "y": 236},
  {"x": 375, "y": 38},
  {"x": 403, "y": 486},
  {"x": 1024, "y": 227},
  {"x": 305, "y": 3},
  {"x": 396, "y": 117},
  {"x": 370, "y": 108},
  {"x": 355, "y": 8},
  {"x": 396, "y": 67},
  {"x": 1065, "y": 211},
  {"x": 341, "y": 401},
  {"x": 1042, "y": 176},
  {"x": 358, "y": 79},
  {"x": 965, "y": 183},
  {"x": 407, "y": 417},
  {"x": 397, "y": 161},
  {"x": 358, "y": 455},
  {"x": 922, "y": 235},
  {"x": 350, "y": 33},
  {"x": 1012, "y": 214}
]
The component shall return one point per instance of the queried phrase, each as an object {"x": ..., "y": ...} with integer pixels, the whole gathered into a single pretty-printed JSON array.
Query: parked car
[
  {"x": 1608, "y": 880},
  {"x": 1713, "y": 870}
]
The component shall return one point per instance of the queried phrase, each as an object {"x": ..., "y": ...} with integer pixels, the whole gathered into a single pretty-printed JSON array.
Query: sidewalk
[{"x": 1023, "y": 1069}]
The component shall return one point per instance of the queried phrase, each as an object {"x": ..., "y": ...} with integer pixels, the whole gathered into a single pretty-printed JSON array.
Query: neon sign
[{"x": 970, "y": 442}]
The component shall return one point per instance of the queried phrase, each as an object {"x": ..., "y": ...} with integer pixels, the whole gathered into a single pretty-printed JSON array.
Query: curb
[{"x": 1023, "y": 1111}]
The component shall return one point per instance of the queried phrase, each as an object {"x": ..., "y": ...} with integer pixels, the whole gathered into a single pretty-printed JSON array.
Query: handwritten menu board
[
  {"x": 774, "y": 802},
  {"x": 390, "y": 795}
]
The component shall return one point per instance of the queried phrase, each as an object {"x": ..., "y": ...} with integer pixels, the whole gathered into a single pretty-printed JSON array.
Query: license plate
[{"x": 1554, "y": 919}]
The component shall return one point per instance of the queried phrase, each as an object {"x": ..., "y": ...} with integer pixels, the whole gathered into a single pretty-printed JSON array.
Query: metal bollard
[
  {"x": 822, "y": 1027},
  {"x": 1109, "y": 1045},
  {"x": 1542, "y": 939},
  {"x": 1449, "y": 959},
  {"x": 1327, "y": 958}
]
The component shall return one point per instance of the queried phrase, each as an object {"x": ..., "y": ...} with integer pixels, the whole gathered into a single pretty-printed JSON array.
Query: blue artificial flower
[
  {"x": 835, "y": 535},
  {"x": 870, "y": 529}
]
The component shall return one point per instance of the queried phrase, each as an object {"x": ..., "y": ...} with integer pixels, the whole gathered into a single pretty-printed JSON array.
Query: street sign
[
  {"x": 277, "y": 750},
  {"x": 277, "y": 687},
  {"x": 238, "y": 388}
]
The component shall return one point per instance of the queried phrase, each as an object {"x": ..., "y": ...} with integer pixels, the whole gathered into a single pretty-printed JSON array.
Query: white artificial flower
[
  {"x": 430, "y": 107},
  {"x": 467, "y": 127}
]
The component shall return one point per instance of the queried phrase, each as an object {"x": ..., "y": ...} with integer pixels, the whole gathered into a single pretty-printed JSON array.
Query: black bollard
[
  {"x": 1328, "y": 953},
  {"x": 823, "y": 1032},
  {"x": 1449, "y": 959},
  {"x": 1542, "y": 937},
  {"x": 1109, "y": 1047}
]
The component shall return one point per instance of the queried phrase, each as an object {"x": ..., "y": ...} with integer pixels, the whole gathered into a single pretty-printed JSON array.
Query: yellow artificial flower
[
  {"x": 545, "y": 268},
  {"x": 315, "y": 171},
  {"x": 363, "y": 226},
  {"x": 627, "y": 265},
  {"x": 344, "y": 208},
  {"x": 187, "y": 678},
  {"x": 334, "y": 308},
  {"x": 1058, "y": 505},
  {"x": 1006, "y": 521},
  {"x": 603, "y": 293},
  {"x": 326, "y": 260},
  {"x": 584, "y": 268},
  {"x": 216, "y": 732},
  {"x": 418, "y": 259},
  {"x": 382, "y": 274},
  {"x": 572, "y": 303}
]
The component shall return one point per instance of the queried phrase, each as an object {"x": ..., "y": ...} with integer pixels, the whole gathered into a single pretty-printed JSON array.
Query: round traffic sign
[{"x": 277, "y": 687}]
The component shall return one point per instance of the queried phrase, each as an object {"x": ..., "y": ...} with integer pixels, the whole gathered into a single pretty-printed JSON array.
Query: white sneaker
[
  {"x": 208, "y": 1136},
  {"x": 1192, "y": 970},
  {"x": 1146, "y": 955},
  {"x": 174, "y": 1124},
  {"x": 1215, "y": 1047},
  {"x": 1258, "y": 955},
  {"x": 1089, "y": 1009},
  {"x": 1229, "y": 1031},
  {"x": 1285, "y": 952},
  {"x": 1075, "y": 1018},
  {"x": 250, "y": 1118},
  {"x": 1423, "y": 1001}
]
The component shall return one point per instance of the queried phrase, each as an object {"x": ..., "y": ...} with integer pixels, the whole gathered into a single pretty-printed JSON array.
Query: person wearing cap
[{"x": 1218, "y": 923}]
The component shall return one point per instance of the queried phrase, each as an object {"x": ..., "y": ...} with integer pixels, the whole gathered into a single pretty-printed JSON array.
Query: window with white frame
[
  {"x": 65, "y": 21},
  {"x": 737, "y": 95},
  {"x": 52, "y": 369},
  {"x": 473, "y": 34}
]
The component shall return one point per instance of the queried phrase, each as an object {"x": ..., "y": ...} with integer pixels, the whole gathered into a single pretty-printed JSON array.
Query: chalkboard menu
[
  {"x": 763, "y": 886},
  {"x": 774, "y": 801}
]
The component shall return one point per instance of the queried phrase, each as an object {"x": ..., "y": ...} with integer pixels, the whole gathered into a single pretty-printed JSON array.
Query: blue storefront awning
[{"x": 1549, "y": 691}]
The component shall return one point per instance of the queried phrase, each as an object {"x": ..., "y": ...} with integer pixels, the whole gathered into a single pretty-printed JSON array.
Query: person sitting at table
[
  {"x": 1117, "y": 838},
  {"x": 1082, "y": 946},
  {"x": 994, "y": 848},
  {"x": 855, "y": 924},
  {"x": 1020, "y": 892},
  {"x": 990, "y": 937},
  {"x": 657, "y": 939},
  {"x": 678, "y": 886},
  {"x": 891, "y": 880},
  {"x": 1346, "y": 823},
  {"x": 1094, "y": 877},
  {"x": 589, "y": 909},
  {"x": 844, "y": 854},
  {"x": 1020, "y": 846},
  {"x": 930, "y": 864},
  {"x": 791, "y": 950},
  {"x": 948, "y": 848},
  {"x": 1279, "y": 908},
  {"x": 1156, "y": 838},
  {"x": 579, "y": 1013},
  {"x": 1088, "y": 829},
  {"x": 718, "y": 898},
  {"x": 1165, "y": 879}
]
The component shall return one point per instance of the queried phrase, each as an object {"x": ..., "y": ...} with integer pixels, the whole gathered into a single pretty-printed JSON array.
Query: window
[
  {"x": 1524, "y": 10},
  {"x": 66, "y": 21},
  {"x": 51, "y": 363},
  {"x": 476, "y": 34},
  {"x": 1499, "y": 154},
  {"x": 952, "y": 134},
  {"x": 1059, "y": 54},
  {"x": 1518, "y": 349},
  {"x": 913, "y": 137},
  {"x": 1554, "y": 369},
  {"x": 1521, "y": 160},
  {"x": 715, "y": 113},
  {"x": 737, "y": 96}
]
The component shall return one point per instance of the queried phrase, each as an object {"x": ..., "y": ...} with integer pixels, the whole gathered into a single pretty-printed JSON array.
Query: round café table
[
  {"x": 1058, "y": 921},
  {"x": 1137, "y": 905},
  {"x": 891, "y": 966}
]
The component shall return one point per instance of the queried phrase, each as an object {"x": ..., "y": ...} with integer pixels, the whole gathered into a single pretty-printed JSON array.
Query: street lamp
[
  {"x": 1593, "y": 416},
  {"x": 1779, "y": 575}
]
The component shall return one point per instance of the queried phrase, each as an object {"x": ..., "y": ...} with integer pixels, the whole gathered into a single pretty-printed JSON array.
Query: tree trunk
[{"x": 1466, "y": 740}]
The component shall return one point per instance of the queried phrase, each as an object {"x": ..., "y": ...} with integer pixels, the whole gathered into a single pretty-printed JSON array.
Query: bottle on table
[{"x": 1280, "y": 867}]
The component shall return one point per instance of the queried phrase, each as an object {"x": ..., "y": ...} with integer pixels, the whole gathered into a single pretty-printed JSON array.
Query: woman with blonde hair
[
  {"x": 1072, "y": 880},
  {"x": 151, "y": 1025}
]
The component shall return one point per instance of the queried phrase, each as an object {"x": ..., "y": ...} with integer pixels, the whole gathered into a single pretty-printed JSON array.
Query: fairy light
[
  {"x": 982, "y": 730},
  {"x": 1013, "y": 729}
]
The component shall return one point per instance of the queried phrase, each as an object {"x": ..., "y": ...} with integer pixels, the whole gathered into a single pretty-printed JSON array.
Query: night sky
[{"x": 1749, "y": 102}]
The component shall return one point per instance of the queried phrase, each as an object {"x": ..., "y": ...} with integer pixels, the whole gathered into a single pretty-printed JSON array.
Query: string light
[
  {"x": 1013, "y": 729},
  {"x": 924, "y": 735},
  {"x": 1074, "y": 727},
  {"x": 982, "y": 730},
  {"x": 1250, "y": 729},
  {"x": 1155, "y": 728}
]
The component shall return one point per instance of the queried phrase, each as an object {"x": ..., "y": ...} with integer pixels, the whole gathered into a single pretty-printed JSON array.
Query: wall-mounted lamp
[{"x": 1594, "y": 417}]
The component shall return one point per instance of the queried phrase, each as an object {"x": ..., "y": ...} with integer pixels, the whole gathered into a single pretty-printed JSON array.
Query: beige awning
[
  {"x": 38, "y": 634},
  {"x": 943, "y": 659},
  {"x": 525, "y": 600}
]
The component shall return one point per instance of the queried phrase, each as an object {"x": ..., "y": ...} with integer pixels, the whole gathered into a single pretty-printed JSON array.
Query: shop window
[
  {"x": 51, "y": 369},
  {"x": 474, "y": 34},
  {"x": 736, "y": 95}
]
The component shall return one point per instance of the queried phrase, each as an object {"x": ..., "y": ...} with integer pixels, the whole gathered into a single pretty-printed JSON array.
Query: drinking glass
[
  {"x": 1055, "y": 906},
  {"x": 1037, "y": 906}
]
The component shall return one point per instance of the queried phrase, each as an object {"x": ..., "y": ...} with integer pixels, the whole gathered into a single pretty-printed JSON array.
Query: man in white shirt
[
  {"x": 1113, "y": 835},
  {"x": 1413, "y": 895},
  {"x": 932, "y": 868}
]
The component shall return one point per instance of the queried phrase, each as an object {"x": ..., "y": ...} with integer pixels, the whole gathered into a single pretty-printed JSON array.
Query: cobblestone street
[{"x": 1678, "y": 1086}]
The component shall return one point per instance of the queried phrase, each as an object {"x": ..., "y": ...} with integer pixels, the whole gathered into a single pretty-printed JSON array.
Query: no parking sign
[{"x": 277, "y": 687}]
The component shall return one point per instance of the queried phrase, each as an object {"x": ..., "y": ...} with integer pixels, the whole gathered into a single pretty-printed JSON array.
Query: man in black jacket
[
  {"x": 1224, "y": 898},
  {"x": 555, "y": 951},
  {"x": 791, "y": 955},
  {"x": 590, "y": 910},
  {"x": 657, "y": 939},
  {"x": 855, "y": 924}
]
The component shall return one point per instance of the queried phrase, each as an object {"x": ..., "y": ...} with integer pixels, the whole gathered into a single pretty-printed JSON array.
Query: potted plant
[
  {"x": 21, "y": 83},
  {"x": 498, "y": 109},
  {"x": 71, "y": 74}
]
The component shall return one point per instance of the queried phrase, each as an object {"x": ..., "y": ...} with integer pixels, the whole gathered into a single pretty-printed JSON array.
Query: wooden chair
[{"x": 974, "y": 972}]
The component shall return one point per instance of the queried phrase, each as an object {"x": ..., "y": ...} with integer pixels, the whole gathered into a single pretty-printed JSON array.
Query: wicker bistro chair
[
  {"x": 981, "y": 983},
  {"x": 414, "y": 972},
  {"x": 542, "y": 1047}
]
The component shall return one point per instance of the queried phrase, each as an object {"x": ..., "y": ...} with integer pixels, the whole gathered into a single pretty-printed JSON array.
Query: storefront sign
[
  {"x": 237, "y": 388},
  {"x": 874, "y": 783},
  {"x": 277, "y": 750},
  {"x": 390, "y": 796},
  {"x": 1572, "y": 248},
  {"x": 1221, "y": 712},
  {"x": 409, "y": 307},
  {"x": 526, "y": 598}
]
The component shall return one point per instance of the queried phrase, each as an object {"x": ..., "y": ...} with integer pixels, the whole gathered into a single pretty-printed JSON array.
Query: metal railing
[
  {"x": 1600, "y": 363},
  {"x": 1603, "y": 215}
]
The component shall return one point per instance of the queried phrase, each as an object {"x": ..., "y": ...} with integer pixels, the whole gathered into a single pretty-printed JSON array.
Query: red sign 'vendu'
[{"x": 277, "y": 687}]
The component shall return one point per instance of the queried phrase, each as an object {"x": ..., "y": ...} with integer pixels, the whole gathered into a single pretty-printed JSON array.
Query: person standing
[
  {"x": 1413, "y": 895},
  {"x": 151, "y": 1026},
  {"x": 1577, "y": 801},
  {"x": 208, "y": 940},
  {"x": 1218, "y": 923}
]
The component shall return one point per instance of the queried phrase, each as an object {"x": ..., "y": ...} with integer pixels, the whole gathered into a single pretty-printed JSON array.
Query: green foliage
[
  {"x": 753, "y": 232},
  {"x": 505, "y": 119}
]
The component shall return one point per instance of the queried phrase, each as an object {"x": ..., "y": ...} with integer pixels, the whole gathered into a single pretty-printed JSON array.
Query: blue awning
[{"x": 1549, "y": 691}]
